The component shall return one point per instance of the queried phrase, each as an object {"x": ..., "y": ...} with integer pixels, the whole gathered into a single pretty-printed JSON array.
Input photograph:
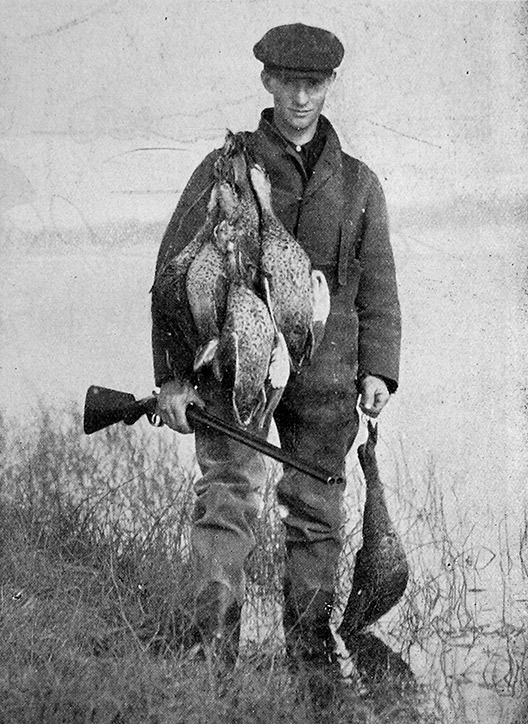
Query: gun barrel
[
  {"x": 104, "y": 407},
  {"x": 196, "y": 415}
]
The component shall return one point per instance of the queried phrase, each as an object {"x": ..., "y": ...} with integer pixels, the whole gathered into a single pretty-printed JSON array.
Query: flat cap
[{"x": 300, "y": 47}]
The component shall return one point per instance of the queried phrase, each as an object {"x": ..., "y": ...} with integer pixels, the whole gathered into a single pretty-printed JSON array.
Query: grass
[{"x": 93, "y": 545}]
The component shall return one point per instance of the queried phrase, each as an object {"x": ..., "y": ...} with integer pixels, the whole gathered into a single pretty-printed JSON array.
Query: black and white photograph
[{"x": 263, "y": 373}]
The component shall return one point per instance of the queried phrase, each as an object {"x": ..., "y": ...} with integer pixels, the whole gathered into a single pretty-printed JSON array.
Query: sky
[{"x": 106, "y": 107}]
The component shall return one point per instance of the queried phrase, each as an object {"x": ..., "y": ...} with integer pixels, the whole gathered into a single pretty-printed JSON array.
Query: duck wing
[
  {"x": 288, "y": 269},
  {"x": 279, "y": 366},
  {"x": 170, "y": 304},
  {"x": 169, "y": 298},
  {"x": 206, "y": 287},
  {"x": 379, "y": 582}
]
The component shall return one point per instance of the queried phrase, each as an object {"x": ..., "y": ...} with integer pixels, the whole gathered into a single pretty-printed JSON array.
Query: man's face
[{"x": 298, "y": 98}]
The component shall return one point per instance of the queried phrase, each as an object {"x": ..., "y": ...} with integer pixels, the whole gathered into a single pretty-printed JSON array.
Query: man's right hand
[{"x": 173, "y": 399}]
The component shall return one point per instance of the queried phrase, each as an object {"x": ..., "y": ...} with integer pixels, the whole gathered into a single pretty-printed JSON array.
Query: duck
[
  {"x": 206, "y": 284},
  {"x": 244, "y": 353},
  {"x": 170, "y": 303},
  {"x": 239, "y": 204},
  {"x": 297, "y": 295},
  {"x": 206, "y": 278},
  {"x": 381, "y": 570},
  {"x": 249, "y": 357},
  {"x": 196, "y": 280}
]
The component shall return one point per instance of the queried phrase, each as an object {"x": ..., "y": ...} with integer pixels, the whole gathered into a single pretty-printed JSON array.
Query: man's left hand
[{"x": 374, "y": 395}]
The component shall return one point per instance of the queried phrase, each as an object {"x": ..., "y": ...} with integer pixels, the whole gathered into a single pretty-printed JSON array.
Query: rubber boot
[
  {"x": 218, "y": 623},
  {"x": 310, "y": 646}
]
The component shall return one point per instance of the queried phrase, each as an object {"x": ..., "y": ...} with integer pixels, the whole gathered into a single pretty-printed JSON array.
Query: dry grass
[{"x": 93, "y": 545}]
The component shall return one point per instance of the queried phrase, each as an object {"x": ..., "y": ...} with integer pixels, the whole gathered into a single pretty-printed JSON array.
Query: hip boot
[
  {"x": 310, "y": 648},
  {"x": 217, "y": 619}
]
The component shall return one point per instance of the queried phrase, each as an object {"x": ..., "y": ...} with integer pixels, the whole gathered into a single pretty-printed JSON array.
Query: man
[{"x": 334, "y": 205}]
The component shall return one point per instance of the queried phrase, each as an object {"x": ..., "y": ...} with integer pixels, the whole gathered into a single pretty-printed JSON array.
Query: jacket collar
[{"x": 329, "y": 161}]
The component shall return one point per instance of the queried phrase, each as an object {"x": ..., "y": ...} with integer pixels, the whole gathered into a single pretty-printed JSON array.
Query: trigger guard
[{"x": 154, "y": 419}]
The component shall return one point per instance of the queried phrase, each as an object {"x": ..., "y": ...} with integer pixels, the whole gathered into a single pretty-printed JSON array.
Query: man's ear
[{"x": 266, "y": 80}]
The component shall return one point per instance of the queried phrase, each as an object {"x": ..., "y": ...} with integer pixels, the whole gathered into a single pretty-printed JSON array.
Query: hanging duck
[
  {"x": 170, "y": 304},
  {"x": 207, "y": 285},
  {"x": 249, "y": 362},
  {"x": 299, "y": 297},
  {"x": 238, "y": 202},
  {"x": 381, "y": 571},
  {"x": 206, "y": 277}
]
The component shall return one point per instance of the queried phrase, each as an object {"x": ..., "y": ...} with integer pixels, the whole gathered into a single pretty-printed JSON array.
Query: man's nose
[{"x": 301, "y": 94}]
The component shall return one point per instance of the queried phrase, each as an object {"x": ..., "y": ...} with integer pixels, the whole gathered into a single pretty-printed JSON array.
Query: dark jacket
[{"x": 339, "y": 216}]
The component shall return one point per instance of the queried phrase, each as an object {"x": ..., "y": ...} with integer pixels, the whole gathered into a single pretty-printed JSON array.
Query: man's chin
[{"x": 300, "y": 123}]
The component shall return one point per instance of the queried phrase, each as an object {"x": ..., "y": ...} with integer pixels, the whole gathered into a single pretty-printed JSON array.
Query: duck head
[
  {"x": 225, "y": 237},
  {"x": 231, "y": 167},
  {"x": 367, "y": 451}
]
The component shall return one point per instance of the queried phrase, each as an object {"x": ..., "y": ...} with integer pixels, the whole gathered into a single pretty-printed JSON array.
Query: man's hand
[
  {"x": 374, "y": 395},
  {"x": 172, "y": 404}
]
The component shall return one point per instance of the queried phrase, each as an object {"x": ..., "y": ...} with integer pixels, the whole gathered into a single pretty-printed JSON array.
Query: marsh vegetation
[{"x": 93, "y": 540}]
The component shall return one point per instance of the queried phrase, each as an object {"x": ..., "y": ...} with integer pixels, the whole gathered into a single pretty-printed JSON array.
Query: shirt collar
[{"x": 309, "y": 152}]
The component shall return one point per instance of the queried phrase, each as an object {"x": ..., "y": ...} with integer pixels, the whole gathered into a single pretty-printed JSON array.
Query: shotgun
[{"x": 104, "y": 407}]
